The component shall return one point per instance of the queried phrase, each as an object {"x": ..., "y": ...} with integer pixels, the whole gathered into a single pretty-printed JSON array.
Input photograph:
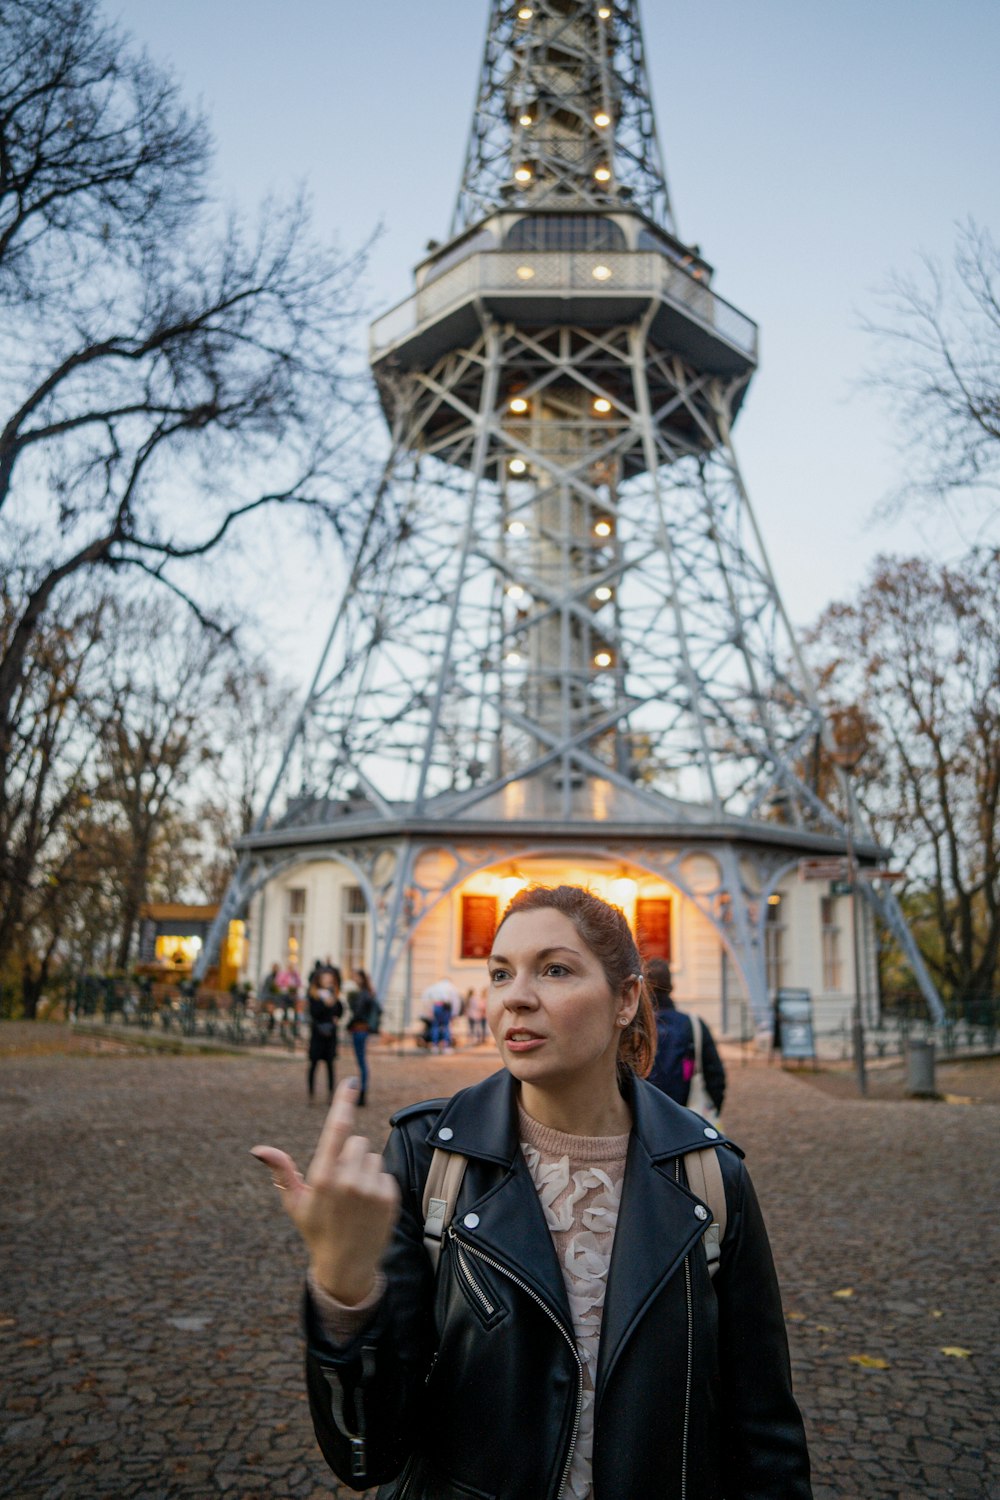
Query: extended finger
[{"x": 337, "y": 1126}]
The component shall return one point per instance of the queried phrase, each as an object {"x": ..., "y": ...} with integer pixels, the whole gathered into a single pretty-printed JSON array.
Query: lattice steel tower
[{"x": 561, "y": 629}]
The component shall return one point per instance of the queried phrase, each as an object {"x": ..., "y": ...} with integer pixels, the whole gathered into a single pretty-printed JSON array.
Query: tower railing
[{"x": 535, "y": 274}]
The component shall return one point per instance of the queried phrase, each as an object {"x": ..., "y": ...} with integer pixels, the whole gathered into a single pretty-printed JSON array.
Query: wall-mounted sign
[{"x": 830, "y": 868}]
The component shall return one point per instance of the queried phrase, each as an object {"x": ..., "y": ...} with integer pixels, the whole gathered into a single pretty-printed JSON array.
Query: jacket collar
[{"x": 483, "y": 1122}]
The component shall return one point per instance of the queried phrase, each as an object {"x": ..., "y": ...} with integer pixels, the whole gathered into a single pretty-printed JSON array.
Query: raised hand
[{"x": 345, "y": 1207}]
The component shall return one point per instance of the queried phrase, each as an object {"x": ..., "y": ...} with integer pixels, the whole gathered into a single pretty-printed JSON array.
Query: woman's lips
[{"x": 523, "y": 1041}]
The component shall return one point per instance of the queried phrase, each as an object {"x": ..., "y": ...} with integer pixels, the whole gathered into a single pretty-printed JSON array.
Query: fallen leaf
[
  {"x": 955, "y": 1352},
  {"x": 937, "y": 1313},
  {"x": 794, "y": 1317},
  {"x": 845, "y": 1291},
  {"x": 822, "y": 1328},
  {"x": 869, "y": 1362}
]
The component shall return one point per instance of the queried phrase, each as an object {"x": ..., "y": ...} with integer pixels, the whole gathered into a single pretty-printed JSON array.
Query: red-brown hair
[{"x": 606, "y": 932}]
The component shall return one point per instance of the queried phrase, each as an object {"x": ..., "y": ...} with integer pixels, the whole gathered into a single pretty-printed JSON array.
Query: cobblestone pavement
[{"x": 148, "y": 1299}]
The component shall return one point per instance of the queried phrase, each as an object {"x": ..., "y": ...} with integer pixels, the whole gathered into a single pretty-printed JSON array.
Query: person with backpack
[
  {"x": 469, "y": 1330},
  {"x": 363, "y": 1020},
  {"x": 687, "y": 1065}
]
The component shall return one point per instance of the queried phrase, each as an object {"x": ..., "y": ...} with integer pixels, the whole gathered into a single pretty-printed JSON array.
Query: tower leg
[{"x": 887, "y": 907}]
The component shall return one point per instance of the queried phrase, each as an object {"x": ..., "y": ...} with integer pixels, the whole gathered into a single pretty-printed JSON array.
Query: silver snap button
[
  {"x": 471, "y": 1221},
  {"x": 446, "y": 1133},
  {"x": 713, "y": 1135},
  {"x": 701, "y": 1213}
]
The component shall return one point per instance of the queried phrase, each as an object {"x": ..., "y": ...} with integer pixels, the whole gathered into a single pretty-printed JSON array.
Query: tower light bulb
[
  {"x": 602, "y": 404},
  {"x": 603, "y": 174},
  {"x": 602, "y": 119},
  {"x": 518, "y": 404}
]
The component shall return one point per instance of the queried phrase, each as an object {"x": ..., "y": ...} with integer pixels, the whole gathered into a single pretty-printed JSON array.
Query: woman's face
[{"x": 549, "y": 1004}]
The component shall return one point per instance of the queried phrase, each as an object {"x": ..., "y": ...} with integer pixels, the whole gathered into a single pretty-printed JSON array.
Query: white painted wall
[{"x": 696, "y": 961}]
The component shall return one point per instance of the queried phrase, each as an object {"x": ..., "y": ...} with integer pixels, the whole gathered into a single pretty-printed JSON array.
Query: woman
[
  {"x": 362, "y": 1021},
  {"x": 535, "y": 1363},
  {"x": 325, "y": 1010}
]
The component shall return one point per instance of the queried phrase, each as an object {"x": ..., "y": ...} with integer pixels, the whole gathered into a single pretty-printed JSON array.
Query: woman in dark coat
[
  {"x": 571, "y": 1343},
  {"x": 325, "y": 1010}
]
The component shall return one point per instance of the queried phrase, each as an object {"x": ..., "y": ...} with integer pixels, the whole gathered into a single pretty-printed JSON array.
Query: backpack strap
[
  {"x": 696, "y": 1028},
  {"x": 704, "y": 1177},
  {"x": 444, "y": 1179}
]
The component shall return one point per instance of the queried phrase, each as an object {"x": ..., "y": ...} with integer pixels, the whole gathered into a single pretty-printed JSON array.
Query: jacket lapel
[
  {"x": 509, "y": 1223},
  {"x": 657, "y": 1222},
  {"x": 657, "y": 1227}
]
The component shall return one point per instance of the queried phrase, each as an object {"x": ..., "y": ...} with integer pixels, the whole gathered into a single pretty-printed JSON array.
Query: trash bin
[{"x": 920, "y": 1070}]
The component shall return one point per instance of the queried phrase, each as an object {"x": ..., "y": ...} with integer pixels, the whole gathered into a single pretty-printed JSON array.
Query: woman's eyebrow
[{"x": 498, "y": 958}]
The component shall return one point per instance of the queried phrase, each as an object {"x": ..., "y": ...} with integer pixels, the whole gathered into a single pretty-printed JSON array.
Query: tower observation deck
[{"x": 561, "y": 629}]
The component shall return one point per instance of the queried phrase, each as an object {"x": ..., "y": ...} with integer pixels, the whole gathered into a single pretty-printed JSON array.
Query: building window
[
  {"x": 295, "y": 925},
  {"x": 774, "y": 945},
  {"x": 565, "y": 232},
  {"x": 652, "y": 926},
  {"x": 833, "y": 977},
  {"x": 354, "y": 941},
  {"x": 479, "y": 923}
]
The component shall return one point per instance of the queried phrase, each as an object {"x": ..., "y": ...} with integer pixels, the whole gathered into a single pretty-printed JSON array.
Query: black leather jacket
[{"x": 469, "y": 1386}]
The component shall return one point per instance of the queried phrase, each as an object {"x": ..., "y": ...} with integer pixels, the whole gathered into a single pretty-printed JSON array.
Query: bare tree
[
  {"x": 162, "y": 375},
  {"x": 154, "y": 734},
  {"x": 939, "y": 370},
  {"x": 49, "y": 759},
  {"x": 911, "y": 668}
]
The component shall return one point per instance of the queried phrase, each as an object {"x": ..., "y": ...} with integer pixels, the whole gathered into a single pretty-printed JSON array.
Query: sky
[{"x": 811, "y": 150}]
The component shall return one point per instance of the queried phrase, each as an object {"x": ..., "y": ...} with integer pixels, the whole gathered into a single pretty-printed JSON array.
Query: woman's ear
[{"x": 631, "y": 991}]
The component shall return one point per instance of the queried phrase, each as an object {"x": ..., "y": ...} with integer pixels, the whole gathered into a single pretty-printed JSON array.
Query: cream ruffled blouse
[{"x": 579, "y": 1184}]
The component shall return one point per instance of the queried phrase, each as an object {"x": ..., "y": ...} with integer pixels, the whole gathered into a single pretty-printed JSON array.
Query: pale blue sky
[{"x": 810, "y": 149}]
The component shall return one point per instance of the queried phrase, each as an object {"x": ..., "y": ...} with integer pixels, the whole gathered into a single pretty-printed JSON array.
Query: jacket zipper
[
  {"x": 690, "y": 1359},
  {"x": 407, "y": 1480},
  {"x": 463, "y": 1249},
  {"x": 471, "y": 1281},
  {"x": 687, "y": 1387}
]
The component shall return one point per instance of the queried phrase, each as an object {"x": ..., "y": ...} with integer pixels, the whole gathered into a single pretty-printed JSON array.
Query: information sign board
[{"x": 794, "y": 1024}]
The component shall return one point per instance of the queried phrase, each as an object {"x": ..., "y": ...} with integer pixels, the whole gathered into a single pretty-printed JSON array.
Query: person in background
[
  {"x": 325, "y": 1010},
  {"x": 674, "y": 1065},
  {"x": 362, "y": 1021},
  {"x": 445, "y": 1002},
  {"x": 475, "y": 1014}
]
